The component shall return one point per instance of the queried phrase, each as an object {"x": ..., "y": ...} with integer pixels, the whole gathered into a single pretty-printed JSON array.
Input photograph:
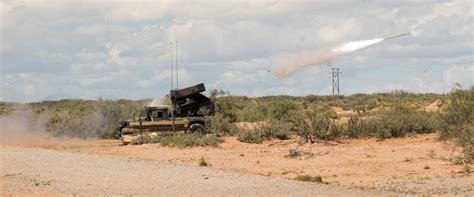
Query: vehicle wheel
[{"x": 197, "y": 128}]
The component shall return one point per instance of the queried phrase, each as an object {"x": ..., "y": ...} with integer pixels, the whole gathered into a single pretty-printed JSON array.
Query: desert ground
[{"x": 419, "y": 164}]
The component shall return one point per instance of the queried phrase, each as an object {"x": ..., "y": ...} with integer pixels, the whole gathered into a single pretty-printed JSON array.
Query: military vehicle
[{"x": 186, "y": 114}]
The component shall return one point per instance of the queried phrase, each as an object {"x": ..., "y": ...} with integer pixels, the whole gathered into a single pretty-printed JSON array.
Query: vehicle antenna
[
  {"x": 171, "y": 65},
  {"x": 173, "y": 104},
  {"x": 177, "y": 65}
]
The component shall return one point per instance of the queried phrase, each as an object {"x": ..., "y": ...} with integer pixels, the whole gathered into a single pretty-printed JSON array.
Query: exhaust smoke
[
  {"x": 285, "y": 65},
  {"x": 157, "y": 102}
]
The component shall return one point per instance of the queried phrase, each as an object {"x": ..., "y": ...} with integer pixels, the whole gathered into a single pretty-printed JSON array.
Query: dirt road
[
  {"x": 420, "y": 164},
  {"x": 37, "y": 171}
]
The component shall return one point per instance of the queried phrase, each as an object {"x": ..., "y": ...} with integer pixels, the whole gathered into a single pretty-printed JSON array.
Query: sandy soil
[
  {"x": 416, "y": 165},
  {"x": 42, "y": 172}
]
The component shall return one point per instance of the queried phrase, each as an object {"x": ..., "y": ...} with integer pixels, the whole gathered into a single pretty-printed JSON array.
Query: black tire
[{"x": 197, "y": 128}]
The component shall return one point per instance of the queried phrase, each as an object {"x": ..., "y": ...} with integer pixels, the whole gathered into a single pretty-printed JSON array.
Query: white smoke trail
[
  {"x": 356, "y": 45},
  {"x": 286, "y": 65}
]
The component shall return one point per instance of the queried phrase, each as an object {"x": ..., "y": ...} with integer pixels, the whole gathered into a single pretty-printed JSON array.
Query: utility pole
[{"x": 335, "y": 74}]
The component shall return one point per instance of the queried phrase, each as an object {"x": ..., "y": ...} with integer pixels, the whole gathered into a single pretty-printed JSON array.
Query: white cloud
[
  {"x": 91, "y": 29},
  {"x": 423, "y": 85},
  {"x": 88, "y": 56},
  {"x": 136, "y": 10},
  {"x": 244, "y": 72},
  {"x": 104, "y": 78},
  {"x": 463, "y": 75},
  {"x": 84, "y": 46},
  {"x": 445, "y": 9},
  {"x": 164, "y": 77},
  {"x": 95, "y": 80},
  {"x": 339, "y": 30}
]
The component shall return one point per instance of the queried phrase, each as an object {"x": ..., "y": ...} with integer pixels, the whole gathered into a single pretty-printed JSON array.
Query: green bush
[
  {"x": 357, "y": 126},
  {"x": 457, "y": 120},
  {"x": 317, "y": 124},
  {"x": 220, "y": 125},
  {"x": 458, "y": 112},
  {"x": 142, "y": 139},
  {"x": 190, "y": 140},
  {"x": 403, "y": 120},
  {"x": 252, "y": 111},
  {"x": 279, "y": 109},
  {"x": 225, "y": 105},
  {"x": 183, "y": 141},
  {"x": 465, "y": 138},
  {"x": 396, "y": 122},
  {"x": 154, "y": 139},
  {"x": 251, "y": 136},
  {"x": 264, "y": 131},
  {"x": 274, "y": 129}
]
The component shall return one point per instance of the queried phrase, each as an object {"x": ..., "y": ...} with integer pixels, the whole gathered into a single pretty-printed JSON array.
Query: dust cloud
[{"x": 22, "y": 128}]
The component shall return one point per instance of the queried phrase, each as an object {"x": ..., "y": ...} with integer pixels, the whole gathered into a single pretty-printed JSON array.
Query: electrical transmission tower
[{"x": 335, "y": 74}]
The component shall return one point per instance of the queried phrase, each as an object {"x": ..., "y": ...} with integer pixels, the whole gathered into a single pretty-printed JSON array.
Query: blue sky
[{"x": 120, "y": 49}]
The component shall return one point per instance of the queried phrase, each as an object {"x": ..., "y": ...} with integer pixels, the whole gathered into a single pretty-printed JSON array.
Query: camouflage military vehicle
[{"x": 186, "y": 114}]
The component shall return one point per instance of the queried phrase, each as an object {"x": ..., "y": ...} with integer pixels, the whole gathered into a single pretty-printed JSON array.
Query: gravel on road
[{"x": 37, "y": 171}]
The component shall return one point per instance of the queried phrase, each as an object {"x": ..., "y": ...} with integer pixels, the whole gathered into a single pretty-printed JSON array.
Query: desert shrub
[
  {"x": 210, "y": 140},
  {"x": 467, "y": 144},
  {"x": 274, "y": 129},
  {"x": 458, "y": 112},
  {"x": 359, "y": 125},
  {"x": 457, "y": 120},
  {"x": 371, "y": 104},
  {"x": 316, "y": 124},
  {"x": 225, "y": 104},
  {"x": 465, "y": 138},
  {"x": 203, "y": 162},
  {"x": 250, "y": 136},
  {"x": 142, "y": 139},
  {"x": 335, "y": 131},
  {"x": 309, "y": 178},
  {"x": 466, "y": 169},
  {"x": 397, "y": 122},
  {"x": 252, "y": 111},
  {"x": 6, "y": 108},
  {"x": 190, "y": 140},
  {"x": 269, "y": 129},
  {"x": 182, "y": 141},
  {"x": 359, "y": 102},
  {"x": 220, "y": 125},
  {"x": 296, "y": 120},
  {"x": 154, "y": 139},
  {"x": 402, "y": 120},
  {"x": 279, "y": 109}
]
